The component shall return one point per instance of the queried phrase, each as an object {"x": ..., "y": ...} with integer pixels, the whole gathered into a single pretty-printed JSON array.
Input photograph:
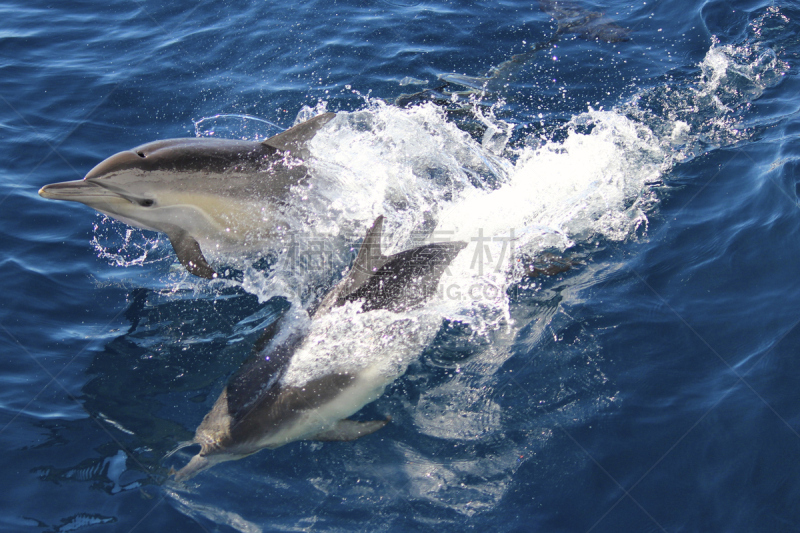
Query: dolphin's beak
[
  {"x": 76, "y": 191},
  {"x": 195, "y": 466}
]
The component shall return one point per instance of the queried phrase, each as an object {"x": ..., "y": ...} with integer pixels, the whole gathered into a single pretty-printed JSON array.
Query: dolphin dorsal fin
[
  {"x": 368, "y": 261},
  {"x": 369, "y": 258},
  {"x": 293, "y": 139}
]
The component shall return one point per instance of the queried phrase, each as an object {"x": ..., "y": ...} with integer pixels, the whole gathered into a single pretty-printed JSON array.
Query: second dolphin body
[
  {"x": 206, "y": 194},
  {"x": 261, "y": 408}
]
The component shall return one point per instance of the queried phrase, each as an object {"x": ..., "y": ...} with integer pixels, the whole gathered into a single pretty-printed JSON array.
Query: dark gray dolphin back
[
  {"x": 397, "y": 282},
  {"x": 406, "y": 279},
  {"x": 255, "y": 381}
]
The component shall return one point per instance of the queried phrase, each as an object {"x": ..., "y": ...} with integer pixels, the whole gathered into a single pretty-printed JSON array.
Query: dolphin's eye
[
  {"x": 146, "y": 203},
  {"x": 140, "y": 153}
]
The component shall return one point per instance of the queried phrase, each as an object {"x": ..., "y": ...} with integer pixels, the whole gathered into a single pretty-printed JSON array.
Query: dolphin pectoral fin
[
  {"x": 190, "y": 255},
  {"x": 345, "y": 430},
  {"x": 293, "y": 139}
]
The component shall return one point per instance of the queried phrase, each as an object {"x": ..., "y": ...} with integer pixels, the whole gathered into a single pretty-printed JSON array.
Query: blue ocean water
[{"x": 652, "y": 386}]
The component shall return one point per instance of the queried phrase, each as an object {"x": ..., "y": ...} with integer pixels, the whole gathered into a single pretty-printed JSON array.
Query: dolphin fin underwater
[
  {"x": 204, "y": 193},
  {"x": 258, "y": 409}
]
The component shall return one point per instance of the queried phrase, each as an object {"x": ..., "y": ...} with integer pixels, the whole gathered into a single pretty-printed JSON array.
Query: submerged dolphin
[
  {"x": 571, "y": 19},
  {"x": 202, "y": 192},
  {"x": 258, "y": 409}
]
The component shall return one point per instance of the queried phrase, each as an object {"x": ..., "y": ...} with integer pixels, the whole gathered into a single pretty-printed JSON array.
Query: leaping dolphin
[
  {"x": 205, "y": 194},
  {"x": 258, "y": 409}
]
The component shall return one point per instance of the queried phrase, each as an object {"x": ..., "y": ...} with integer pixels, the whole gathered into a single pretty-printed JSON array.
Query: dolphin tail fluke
[
  {"x": 189, "y": 254},
  {"x": 345, "y": 430}
]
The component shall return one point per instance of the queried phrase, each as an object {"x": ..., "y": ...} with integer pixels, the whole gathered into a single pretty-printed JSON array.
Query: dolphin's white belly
[
  {"x": 220, "y": 218},
  {"x": 368, "y": 385},
  {"x": 374, "y": 347}
]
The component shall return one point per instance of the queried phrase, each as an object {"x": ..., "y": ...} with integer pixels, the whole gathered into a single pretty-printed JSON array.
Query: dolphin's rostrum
[
  {"x": 258, "y": 409},
  {"x": 201, "y": 192}
]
